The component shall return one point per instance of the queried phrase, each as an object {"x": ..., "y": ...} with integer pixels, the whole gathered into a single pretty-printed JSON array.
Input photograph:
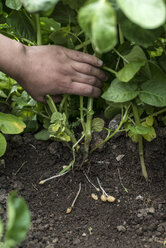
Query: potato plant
[{"x": 129, "y": 36}]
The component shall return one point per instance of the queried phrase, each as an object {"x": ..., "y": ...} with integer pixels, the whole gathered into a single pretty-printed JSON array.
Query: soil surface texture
[{"x": 137, "y": 218}]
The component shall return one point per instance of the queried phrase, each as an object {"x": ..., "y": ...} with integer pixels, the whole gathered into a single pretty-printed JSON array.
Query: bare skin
[{"x": 53, "y": 70}]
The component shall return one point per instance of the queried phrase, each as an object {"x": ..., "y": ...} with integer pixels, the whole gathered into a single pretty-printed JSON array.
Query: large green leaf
[
  {"x": 141, "y": 36},
  {"x": 136, "y": 54},
  {"x": 10, "y": 124},
  {"x": 148, "y": 14},
  {"x": 13, "y": 4},
  {"x": 136, "y": 59},
  {"x": 20, "y": 25},
  {"x": 153, "y": 91},
  {"x": 3, "y": 145},
  {"x": 129, "y": 71},
  {"x": 121, "y": 92},
  {"x": 38, "y": 5},
  {"x": 97, "y": 19},
  {"x": 64, "y": 15},
  {"x": 18, "y": 221}
]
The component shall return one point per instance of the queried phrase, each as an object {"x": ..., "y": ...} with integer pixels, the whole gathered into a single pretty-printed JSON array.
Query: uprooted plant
[{"x": 130, "y": 39}]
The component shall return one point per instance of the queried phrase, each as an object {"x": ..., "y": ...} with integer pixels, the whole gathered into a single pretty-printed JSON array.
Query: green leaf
[
  {"x": 49, "y": 24},
  {"x": 151, "y": 134},
  {"x": 98, "y": 21},
  {"x": 10, "y": 124},
  {"x": 133, "y": 136},
  {"x": 149, "y": 121},
  {"x": 148, "y": 14},
  {"x": 120, "y": 92},
  {"x": 63, "y": 37},
  {"x": 42, "y": 135},
  {"x": 139, "y": 129},
  {"x": 20, "y": 25},
  {"x": 13, "y": 4},
  {"x": 2, "y": 94},
  {"x": 129, "y": 71},
  {"x": 97, "y": 124},
  {"x": 153, "y": 91},
  {"x": 3, "y": 145},
  {"x": 76, "y": 4},
  {"x": 138, "y": 35},
  {"x": 136, "y": 54},
  {"x": 38, "y": 5},
  {"x": 18, "y": 220}
]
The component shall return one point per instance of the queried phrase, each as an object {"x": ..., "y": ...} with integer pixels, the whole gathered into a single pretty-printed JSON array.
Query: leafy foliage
[
  {"x": 18, "y": 221},
  {"x": 127, "y": 35}
]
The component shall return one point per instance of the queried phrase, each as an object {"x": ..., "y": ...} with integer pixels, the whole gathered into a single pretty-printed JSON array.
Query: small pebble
[
  {"x": 119, "y": 157},
  {"x": 121, "y": 228}
]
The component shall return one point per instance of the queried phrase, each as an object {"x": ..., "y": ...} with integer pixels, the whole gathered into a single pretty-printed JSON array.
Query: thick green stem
[
  {"x": 71, "y": 134},
  {"x": 82, "y": 112},
  {"x": 39, "y": 37},
  {"x": 51, "y": 104},
  {"x": 65, "y": 97},
  {"x": 140, "y": 142},
  {"x": 88, "y": 131}
]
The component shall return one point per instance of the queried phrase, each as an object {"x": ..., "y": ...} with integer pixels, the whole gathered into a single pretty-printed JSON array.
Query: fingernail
[{"x": 100, "y": 62}]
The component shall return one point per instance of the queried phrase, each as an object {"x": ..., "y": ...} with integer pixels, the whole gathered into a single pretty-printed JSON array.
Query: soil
[{"x": 137, "y": 218}]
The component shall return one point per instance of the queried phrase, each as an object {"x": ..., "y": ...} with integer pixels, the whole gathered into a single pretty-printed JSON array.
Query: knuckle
[
  {"x": 92, "y": 80},
  {"x": 88, "y": 69}
]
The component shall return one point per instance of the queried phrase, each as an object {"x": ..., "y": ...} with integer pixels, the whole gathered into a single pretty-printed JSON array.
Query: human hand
[{"x": 57, "y": 70}]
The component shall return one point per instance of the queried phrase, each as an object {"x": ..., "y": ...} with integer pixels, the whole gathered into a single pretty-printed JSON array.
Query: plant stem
[
  {"x": 82, "y": 112},
  {"x": 120, "y": 55},
  {"x": 71, "y": 134},
  {"x": 109, "y": 69},
  {"x": 88, "y": 131},
  {"x": 39, "y": 37},
  {"x": 110, "y": 136},
  {"x": 156, "y": 113},
  {"x": 65, "y": 97},
  {"x": 140, "y": 142},
  {"x": 121, "y": 38},
  {"x": 82, "y": 45},
  {"x": 51, "y": 104}
]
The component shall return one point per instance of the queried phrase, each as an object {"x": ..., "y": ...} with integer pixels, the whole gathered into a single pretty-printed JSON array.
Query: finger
[
  {"x": 83, "y": 90},
  {"x": 90, "y": 70},
  {"x": 86, "y": 79},
  {"x": 84, "y": 58}
]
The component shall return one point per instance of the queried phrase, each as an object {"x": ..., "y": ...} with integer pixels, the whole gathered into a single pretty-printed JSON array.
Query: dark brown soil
[{"x": 136, "y": 219}]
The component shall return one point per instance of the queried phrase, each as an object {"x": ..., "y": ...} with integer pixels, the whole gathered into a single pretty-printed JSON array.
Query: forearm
[{"x": 10, "y": 56}]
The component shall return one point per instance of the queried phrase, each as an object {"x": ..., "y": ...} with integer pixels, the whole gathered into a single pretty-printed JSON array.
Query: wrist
[{"x": 12, "y": 55}]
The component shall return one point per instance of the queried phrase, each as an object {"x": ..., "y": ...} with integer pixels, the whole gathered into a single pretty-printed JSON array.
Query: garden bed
[{"x": 135, "y": 219}]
